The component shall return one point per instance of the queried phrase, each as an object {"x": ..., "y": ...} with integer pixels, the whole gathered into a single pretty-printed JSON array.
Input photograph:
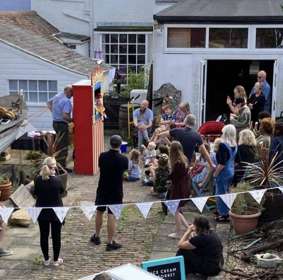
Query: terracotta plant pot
[
  {"x": 5, "y": 190},
  {"x": 244, "y": 223}
]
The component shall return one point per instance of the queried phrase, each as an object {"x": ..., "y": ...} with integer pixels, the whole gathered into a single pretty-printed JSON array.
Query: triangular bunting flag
[
  {"x": 200, "y": 202},
  {"x": 61, "y": 212},
  {"x": 34, "y": 213},
  {"x": 116, "y": 209},
  {"x": 5, "y": 213},
  {"x": 257, "y": 195},
  {"x": 144, "y": 208},
  {"x": 88, "y": 210},
  {"x": 172, "y": 206},
  {"x": 228, "y": 199}
]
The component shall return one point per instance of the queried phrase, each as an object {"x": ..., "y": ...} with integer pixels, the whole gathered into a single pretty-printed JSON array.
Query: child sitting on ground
[
  {"x": 134, "y": 171},
  {"x": 162, "y": 173}
]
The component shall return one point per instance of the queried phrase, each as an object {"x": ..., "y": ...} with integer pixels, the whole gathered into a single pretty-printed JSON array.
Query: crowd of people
[{"x": 169, "y": 159}]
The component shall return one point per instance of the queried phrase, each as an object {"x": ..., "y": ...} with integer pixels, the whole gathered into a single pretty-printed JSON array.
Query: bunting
[
  {"x": 199, "y": 202},
  {"x": 144, "y": 208},
  {"x": 116, "y": 209},
  {"x": 61, "y": 212},
  {"x": 5, "y": 213},
  {"x": 228, "y": 199},
  {"x": 257, "y": 195},
  {"x": 34, "y": 213},
  {"x": 172, "y": 206}
]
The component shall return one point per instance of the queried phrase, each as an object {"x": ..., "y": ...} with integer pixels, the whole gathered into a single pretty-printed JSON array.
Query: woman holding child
[
  {"x": 224, "y": 171},
  {"x": 180, "y": 188}
]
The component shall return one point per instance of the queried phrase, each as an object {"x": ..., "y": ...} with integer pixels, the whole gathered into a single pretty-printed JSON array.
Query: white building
[
  {"x": 34, "y": 61},
  {"x": 205, "y": 48},
  {"x": 120, "y": 30}
]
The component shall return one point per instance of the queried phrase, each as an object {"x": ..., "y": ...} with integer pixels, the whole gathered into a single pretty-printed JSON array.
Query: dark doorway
[{"x": 224, "y": 75}]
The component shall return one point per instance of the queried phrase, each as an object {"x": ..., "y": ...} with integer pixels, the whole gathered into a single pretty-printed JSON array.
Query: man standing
[
  {"x": 61, "y": 107},
  {"x": 110, "y": 190},
  {"x": 189, "y": 138},
  {"x": 143, "y": 118},
  {"x": 266, "y": 90}
]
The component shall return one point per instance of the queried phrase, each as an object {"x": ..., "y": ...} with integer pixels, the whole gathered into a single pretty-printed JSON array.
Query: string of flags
[{"x": 89, "y": 209}]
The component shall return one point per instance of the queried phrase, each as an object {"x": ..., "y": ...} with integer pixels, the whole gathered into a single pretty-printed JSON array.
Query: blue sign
[{"x": 168, "y": 269}]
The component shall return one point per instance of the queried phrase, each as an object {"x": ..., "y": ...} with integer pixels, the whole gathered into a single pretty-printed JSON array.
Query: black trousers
[
  {"x": 63, "y": 141},
  {"x": 44, "y": 227},
  {"x": 194, "y": 264}
]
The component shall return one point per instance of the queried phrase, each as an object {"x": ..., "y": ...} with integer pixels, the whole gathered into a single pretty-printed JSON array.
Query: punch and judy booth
[{"x": 89, "y": 114}]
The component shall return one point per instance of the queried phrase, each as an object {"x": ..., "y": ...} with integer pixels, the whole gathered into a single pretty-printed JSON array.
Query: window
[
  {"x": 34, "y": 91},
  {"x": 126, "y": 52},
  {"x": 269, "y": 38},
  {"x": 186, "y": 37},
  {"x": 228, "y": 37}
]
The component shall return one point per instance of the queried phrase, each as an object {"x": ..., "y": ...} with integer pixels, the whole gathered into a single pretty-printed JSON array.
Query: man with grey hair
[
  {"x": 143, "y": 118},
  {"x": 61, "y": 107},
  {"x": 266, "y": 90},
  {"x": 189, "y": 138}
]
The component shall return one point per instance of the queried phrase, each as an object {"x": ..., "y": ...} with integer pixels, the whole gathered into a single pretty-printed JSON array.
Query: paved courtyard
[{"x": 81, "y": 258}]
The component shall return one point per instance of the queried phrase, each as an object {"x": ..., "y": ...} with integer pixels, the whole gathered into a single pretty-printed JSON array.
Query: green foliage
[
  {"x": 4, "y": 179},
  {"x": 135, "y": 81}
]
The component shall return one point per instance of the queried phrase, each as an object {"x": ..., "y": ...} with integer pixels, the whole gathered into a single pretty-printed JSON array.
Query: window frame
[
  {"x": 117, "y": 65},
  {"x": 266, "y": 26},
  {"x": 195, "y": 27},
  {"x": 206, "y": 49},
  {"x": 38, "y": 103}
]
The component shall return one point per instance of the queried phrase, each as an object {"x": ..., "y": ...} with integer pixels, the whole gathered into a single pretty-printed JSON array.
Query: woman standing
[
  {"x": 240, "y": 115},
  {"x": 180, "y": 180},
  {"x": 224, "y": 171},
  {"x": 48, "y": 191},
  {"x": 256, "y": 102},
  {"x": 201, "y": 249},
  {"x": 246, "y": 153}
]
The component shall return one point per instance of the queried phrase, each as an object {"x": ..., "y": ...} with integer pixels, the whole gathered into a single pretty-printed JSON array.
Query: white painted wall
[
  {"x": 183, "y": 69},
  {"x": 68, "y": 16},
  {"x": 17, "y": 65}
]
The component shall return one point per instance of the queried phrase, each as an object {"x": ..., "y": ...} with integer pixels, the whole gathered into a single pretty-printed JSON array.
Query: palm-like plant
[{"x": 265, "y": 172}]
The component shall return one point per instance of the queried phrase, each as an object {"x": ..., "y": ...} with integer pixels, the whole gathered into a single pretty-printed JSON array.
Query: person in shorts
[{"x": 112, "y": 166}]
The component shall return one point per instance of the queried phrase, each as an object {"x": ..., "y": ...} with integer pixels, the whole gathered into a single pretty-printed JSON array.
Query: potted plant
[
  {"x": 5, "y": 187},
  {"x": 245, "y": 212},
  {"x": 267, "y": 174}
]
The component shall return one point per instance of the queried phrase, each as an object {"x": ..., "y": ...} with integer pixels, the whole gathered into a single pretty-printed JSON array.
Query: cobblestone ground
[{"x": 81, "y": 258}]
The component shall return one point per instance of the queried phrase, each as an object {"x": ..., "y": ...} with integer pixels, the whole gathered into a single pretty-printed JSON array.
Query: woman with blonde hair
[
  {"x": 224, "y": 171},
  {"x": 246, "y": 153},
  {"x": 240, "y": 115},
  {"x": 48, "y": 191},
  {"x": 180, "y": 188}
]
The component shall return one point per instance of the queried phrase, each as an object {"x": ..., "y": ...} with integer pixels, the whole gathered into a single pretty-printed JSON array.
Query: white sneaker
[
  {"x": 59, "y": 262},
  {"x": 174, "y": 235},
  {"x": 46, "y": 263}
]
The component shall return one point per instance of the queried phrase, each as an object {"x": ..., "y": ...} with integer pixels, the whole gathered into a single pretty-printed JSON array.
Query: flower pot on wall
[
  {"x": 244, "y": 223},
  {"x": 5, "y": 190}
]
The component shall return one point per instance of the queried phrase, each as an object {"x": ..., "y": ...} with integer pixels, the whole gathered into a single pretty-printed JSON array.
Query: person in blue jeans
[
  {"x": 134, "y": 171},
  {"x": 225, "y": 169}
]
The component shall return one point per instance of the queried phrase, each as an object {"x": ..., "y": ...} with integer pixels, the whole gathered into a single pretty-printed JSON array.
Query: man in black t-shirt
[
  {"x": 189, "y": 138},
  {"x": 110, "y": 189}
]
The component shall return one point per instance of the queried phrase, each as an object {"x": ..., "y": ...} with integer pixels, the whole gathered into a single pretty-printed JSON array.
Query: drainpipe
[{"x": 91, "y": 27}]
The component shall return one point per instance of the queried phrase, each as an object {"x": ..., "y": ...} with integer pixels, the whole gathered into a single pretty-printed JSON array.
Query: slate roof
[
  {"x": 30, "y": 33},
  {"x": 223, "y": 11}
]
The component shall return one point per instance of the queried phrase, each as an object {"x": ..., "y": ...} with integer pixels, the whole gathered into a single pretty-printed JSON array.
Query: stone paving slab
[{"x": 82, "y": 258}]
